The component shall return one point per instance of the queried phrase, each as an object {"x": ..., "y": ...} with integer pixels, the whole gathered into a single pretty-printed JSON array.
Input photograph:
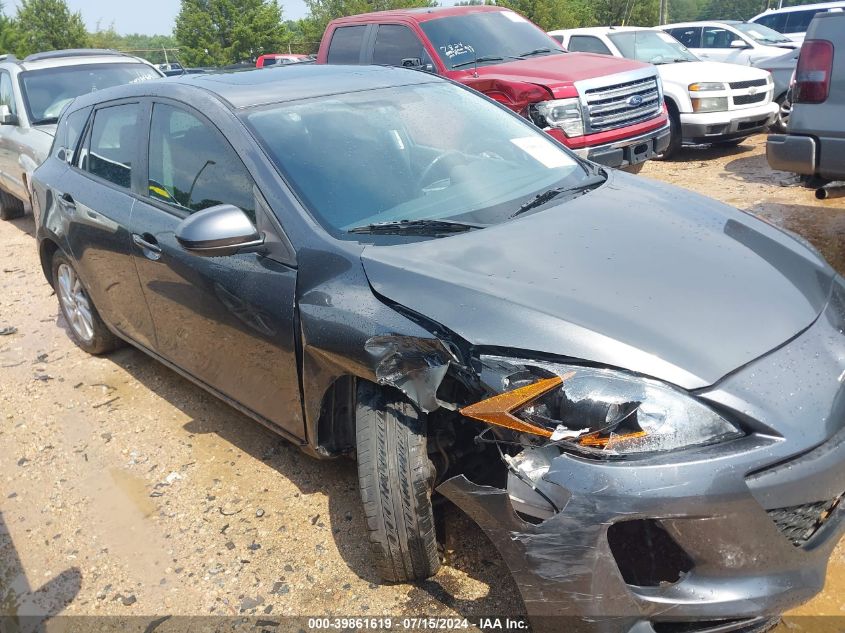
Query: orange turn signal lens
[
  {"x": 498, "y": 410},
  {"x": 601, "y": 442}
]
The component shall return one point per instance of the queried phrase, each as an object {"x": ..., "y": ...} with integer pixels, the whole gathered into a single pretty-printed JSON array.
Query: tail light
[{"x": 812, "y": 77}]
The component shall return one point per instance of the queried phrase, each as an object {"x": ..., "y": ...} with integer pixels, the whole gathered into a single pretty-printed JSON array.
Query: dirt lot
[{"x": 126, "y": 490}]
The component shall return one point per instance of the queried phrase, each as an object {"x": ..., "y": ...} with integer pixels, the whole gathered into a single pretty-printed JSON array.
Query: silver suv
[
  {"x": 33, "y": 93},
  {"x": 815, "y": 143}
]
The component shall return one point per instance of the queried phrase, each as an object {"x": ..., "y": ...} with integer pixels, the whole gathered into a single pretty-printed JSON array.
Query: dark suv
[{"x": 634, "y": 390}]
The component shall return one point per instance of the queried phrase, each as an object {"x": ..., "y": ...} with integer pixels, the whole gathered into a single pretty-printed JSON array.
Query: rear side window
[
  {"x": 799, "y": 21},
  {"x": 396, "y": 44},
  {"x": 588, "y": 44},
  {"x": 345, "y": 47},
  {"x": 113, "y": 143},
  {"x": 192, "y": 167},
  {"x": 689, "y": 36},
  {"x": 776, "y": 21}
]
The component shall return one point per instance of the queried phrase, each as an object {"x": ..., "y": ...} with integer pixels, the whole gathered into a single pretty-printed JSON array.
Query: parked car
[
  {"x": 730, "y": 41},
  {"x": 610, "y": 111},
  {"x": 708, "y": 102},
  {"x": 815, "y": 142},
  {"x": 172, "y": 69},
  {"x": 793, "y": 21},
  {"x": 382, "y": 263},
  {"x": 279, "y": 59},
  {"x": 783, "y": 73},
  {"x": 33, "y": 93}
]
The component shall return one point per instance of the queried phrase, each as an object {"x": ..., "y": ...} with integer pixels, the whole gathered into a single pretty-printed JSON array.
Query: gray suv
[
  {"x": 815, "y": 143},
  {"x": 33, "y": 93}
]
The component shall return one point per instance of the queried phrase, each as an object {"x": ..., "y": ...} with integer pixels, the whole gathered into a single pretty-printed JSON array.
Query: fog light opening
[{"x": 645, "y": 553}]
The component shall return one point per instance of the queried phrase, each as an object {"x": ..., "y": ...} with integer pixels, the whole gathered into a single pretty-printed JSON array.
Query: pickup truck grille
[
  {"x": 619, "y": 105},
  {"x": 749, "y": 99},
  {"x": 741, "y": 85}
]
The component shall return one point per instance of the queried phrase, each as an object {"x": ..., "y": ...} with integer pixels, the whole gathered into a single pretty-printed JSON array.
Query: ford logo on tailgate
[{"x": 635, "y": 101}]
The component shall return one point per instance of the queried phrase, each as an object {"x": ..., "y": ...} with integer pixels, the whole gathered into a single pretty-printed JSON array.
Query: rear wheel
[
  {"x": 86, "y": 327},
  {"x": 396, "y": 479},
  {"x": 10, "y": 207}
]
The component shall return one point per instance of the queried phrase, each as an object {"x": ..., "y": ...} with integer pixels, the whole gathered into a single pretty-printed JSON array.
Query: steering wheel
[{"x": 434, "y": 164}]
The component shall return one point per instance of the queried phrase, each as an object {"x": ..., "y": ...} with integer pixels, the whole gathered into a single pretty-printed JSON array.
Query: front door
[{"x": 228, "y": 321}]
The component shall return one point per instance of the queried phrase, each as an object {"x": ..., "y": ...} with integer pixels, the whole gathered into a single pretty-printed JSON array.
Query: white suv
[
  {"x": 794, "y": 21},
  {"x": 730, "y": 41},
  {"x": 708, "y": 102},
  {"x": 33, "y": 93}
]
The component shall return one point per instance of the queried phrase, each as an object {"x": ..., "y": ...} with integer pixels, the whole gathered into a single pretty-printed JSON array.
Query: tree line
[{"x": 222, "y": 32}]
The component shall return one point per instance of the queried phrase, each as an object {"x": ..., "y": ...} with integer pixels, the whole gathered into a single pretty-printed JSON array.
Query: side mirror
[
  {"x": 739, "y": 44},
  {"x": 415, "y": 63},
  {"x": 6, "y": 116},
  {"x": 218, "y": 231}
]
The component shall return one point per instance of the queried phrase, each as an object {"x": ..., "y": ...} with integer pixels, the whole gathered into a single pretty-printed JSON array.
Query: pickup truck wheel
[
  {"x": 676, "y": 135},
  {"x": 87, "y": 328},
  {"x": 396, "y": 479},
  {"x": 10, "y": 207},
  {"x": 734, "y": 142}
]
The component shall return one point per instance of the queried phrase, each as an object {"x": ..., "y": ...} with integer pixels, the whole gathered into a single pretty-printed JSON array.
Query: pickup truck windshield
[
  {"x": 652, "y": 47},
  {"x": 425, "y": 158},
  {"x": 47, "y": 91},
  {"x": 491, "y": 37}
]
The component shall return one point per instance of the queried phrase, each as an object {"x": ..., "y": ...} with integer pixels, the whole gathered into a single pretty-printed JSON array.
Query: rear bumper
[
  {"x": 807, "y": 155},
  {"x": 628, "y": 151},
  {"x": 709, "y": 127}
]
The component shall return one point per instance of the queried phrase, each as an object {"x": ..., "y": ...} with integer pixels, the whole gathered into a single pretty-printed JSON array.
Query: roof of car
[
  {"x": 699, "y": 23},
  {"x": 262, "y": 86},
  {"x": 802, "y": 7},
  {"x": 420, "y": 14},
  {"x": 71, "y": 57},
  {"x": 600, "y": 30}
]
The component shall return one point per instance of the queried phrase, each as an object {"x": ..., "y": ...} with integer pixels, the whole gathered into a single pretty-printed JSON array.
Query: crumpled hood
[
  {"x": 689, "y": 72},
  {"x": 636, "y": 274},
  {"x": 557, "y": 73}
]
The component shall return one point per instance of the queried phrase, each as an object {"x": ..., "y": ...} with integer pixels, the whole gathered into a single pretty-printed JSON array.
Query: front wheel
[
  {"x": 396, "y": 479},
  {"x": 781, "y": 122},
  {"x": 87, "y": 328},
  {"x": 676, "y": 135},
  {"x": 734, "y": 142}
]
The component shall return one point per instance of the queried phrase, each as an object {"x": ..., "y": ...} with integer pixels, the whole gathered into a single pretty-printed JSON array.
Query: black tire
[
  {"x": 676, "y": 135},
  {"x": 396, "y": 479},
  {"x": 101, "y": 340},
  {"x": 734, "y": 142},
  {"x": 633, "y": 169},
  {"x": 10, "y": 207},
  {"x": 781, "y": 123}
]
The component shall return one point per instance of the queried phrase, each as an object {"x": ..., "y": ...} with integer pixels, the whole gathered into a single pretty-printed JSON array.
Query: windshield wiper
[
  {"x": 416, "y": 227},
  {"x": 46, "y": 121},
  {"x": 550, "y": 194},
  {"x": 479, "y": 60},
  {"x": 536, "y": 51}
]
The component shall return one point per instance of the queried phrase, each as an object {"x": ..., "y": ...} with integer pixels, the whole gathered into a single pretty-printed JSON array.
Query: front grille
[
  {"x": 745, "y": 625},
  {"x": 618, "y": 105},
  {"x": 740, "y": 85},
  {"x": 748, "y": 99},
  {"x": 800, "y": 523}
]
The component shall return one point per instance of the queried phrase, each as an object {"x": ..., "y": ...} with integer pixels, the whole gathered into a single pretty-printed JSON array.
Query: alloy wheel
[{"x": 75, "y": 303}]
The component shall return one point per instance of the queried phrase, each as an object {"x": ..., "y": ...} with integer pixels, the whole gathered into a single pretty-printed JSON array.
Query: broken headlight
[{"x": 595, "y": 409}]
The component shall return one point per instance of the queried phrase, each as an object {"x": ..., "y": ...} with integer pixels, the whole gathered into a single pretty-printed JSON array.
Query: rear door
[
  {"x": 227, "y": 321},
  {"x": 347, "y": 45},
  {"x": 95, "y": 196}
]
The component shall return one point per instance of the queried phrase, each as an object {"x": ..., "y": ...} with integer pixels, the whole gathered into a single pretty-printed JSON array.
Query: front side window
[
  {"x": 652, "y": 47},
  {"x": 7, "y": 95},
  {"x": 192, "y": 167},
  {"x": 47, "y": 91},
  {"x": 488, "y": 37},
  {"x": 715, "y": 37},
  {"x": 689, "y": 36},
  {"x": 396, "y": 45},
  {"x": 588, "y": 44},
  {"x": 390, "y": 154},
  {"x": 345, "y": 47},
  {"x": 113, "y": 144}
]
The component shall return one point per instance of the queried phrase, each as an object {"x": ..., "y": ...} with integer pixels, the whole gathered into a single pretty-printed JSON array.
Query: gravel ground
[{"x": 125, "y": 490}]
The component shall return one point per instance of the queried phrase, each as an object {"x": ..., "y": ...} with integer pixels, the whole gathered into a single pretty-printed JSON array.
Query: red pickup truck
[{"x": 606, "y": 109}]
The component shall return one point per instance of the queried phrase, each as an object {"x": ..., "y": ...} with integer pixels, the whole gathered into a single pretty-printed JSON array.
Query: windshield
[
  {"x": 653, "y": 47},
  {"x": 491, "y": 37},
  {"x": 762, "y": 34},
  {"x": 410, "y": 153},
  {"x": 47, "y": 91}
]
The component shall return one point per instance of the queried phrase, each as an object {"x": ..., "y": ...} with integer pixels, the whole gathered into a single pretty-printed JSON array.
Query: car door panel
[{"x": 227, "y": 321}]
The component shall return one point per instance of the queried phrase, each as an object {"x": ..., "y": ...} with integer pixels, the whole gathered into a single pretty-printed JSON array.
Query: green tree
[
  {"x": 219, "y": 32},
  {"x": 553, "y": 14},
  {"x": 42, "y": 25},
  {"x": 323, "y": 11}
]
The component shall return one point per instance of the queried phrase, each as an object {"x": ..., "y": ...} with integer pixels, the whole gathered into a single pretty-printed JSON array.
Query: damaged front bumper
[{"x": 714, "y": 538}]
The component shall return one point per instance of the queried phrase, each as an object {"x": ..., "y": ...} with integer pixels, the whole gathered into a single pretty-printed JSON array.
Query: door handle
[{"x": 148, "y": 245}]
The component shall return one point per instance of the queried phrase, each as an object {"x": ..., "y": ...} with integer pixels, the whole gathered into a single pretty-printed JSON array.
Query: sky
[{"x": 150, "y": 17}]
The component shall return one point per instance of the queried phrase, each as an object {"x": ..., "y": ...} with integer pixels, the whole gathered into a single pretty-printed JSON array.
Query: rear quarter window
[{"x": 345, "y": 47}]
